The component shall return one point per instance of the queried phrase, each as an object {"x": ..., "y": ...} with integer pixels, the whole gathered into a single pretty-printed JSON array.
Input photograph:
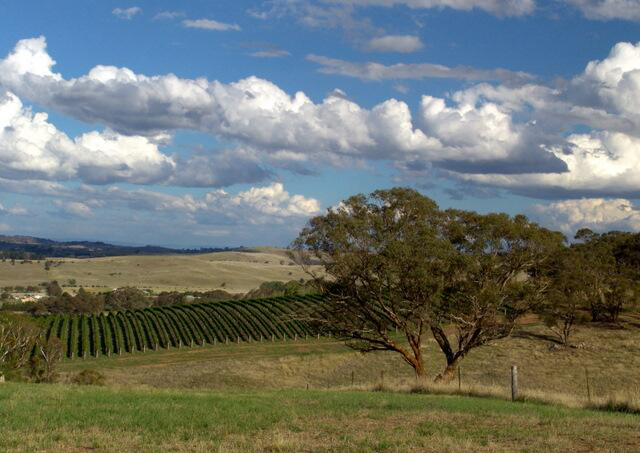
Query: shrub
[
  {"x": 88, "y": 377},
  {"x": 44, "y": 360}
]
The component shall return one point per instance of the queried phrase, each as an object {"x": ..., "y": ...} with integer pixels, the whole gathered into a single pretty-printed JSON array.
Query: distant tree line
[
  {"x": 21, "y": 255},
  {"x": 31, "y": 248},
  {"x": 59, "y": 301}
]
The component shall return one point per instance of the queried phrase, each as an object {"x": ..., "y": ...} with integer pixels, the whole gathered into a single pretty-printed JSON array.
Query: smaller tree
[
  {"x": 86, "y": 302},
  {"x": 53, "y": 289},
  {"x": 43, "y": 363},
  {"x": 126, "y": 298},
  {"x": 568, "y": 298},
  {"x": 610, "y": 274},
  {"x": 17, "y": 339}
]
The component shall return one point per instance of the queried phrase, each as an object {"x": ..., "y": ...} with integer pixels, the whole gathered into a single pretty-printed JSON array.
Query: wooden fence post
[
  {"x": 586, "y": 373},
  {"x": 514, "y": 383},
  {"x": 352, "y": 378},
  {"x": 459, "y": 379}
]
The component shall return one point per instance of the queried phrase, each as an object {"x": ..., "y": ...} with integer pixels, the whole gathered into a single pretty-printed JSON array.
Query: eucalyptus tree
[
  {"x": 496, "y": 277},
  {"x": 386, "y": 265},
  {"x": 393, "y": 261},
  {"x": 612, "y": 273},
  {"x": 568, "y": 300}
]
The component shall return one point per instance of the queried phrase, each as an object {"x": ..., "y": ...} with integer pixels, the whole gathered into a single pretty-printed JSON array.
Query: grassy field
[
  {"x": 231, "y": 271},
  {"x": 317, "y": 395},
  {"x": 69, "y": 418},
  {"x": 610, "y": 356}
]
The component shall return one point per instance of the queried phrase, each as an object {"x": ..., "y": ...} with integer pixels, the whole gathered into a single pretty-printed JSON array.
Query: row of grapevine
[{"x": 278, "y": 318}]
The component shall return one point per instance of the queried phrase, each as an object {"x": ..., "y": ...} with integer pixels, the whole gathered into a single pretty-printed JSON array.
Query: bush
[
  {"x": 44, "y": 360},
  {"x": 88, "y": 377}
]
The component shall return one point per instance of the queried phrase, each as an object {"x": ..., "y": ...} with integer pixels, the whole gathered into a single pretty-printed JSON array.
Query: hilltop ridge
[{"x": 41, "y": 247}]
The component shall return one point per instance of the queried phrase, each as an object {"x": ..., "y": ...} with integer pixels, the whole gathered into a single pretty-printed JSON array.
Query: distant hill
[{"x": 32, "y": 247}]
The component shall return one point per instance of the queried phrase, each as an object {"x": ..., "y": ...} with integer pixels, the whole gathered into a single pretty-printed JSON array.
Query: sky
[{"x": 218, "y": 123}]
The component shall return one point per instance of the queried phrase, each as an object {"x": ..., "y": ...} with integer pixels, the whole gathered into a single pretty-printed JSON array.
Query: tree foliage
[
  {"x": 394, "y": 260},
  {"x": 611, "y": 271},
  {"x": 25, "y": 349},
  {"x": 568, "y": 297}
]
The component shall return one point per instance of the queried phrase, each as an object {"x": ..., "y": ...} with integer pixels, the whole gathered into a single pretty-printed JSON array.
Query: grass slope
[
  {"x": 238, "y": 271},
  {"x": 70, "y": 418},
  {"x": 611, "y": 356}
]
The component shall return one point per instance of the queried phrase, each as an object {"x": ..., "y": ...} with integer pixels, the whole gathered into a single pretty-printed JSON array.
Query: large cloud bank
[
  {"x": 573, "y": 139},
  {"x": 519, "y": 137},
  {"x": 597, "y": 214}
]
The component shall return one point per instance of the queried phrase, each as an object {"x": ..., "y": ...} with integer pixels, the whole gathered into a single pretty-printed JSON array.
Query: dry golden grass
[
  {"x": 610, "y": 356},
  {"x": 231, "y": 271}
]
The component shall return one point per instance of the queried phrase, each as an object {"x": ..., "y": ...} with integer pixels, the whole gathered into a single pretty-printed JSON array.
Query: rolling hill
[
  {"x": 20, "y": 246},
  {"x": 233, "y": 271}
]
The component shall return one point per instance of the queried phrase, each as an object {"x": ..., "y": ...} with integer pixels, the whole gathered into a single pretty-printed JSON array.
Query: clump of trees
[
  {"x": 394, "y": 262},
  {"x": 59, "y": 301},
  {"x": 276, "y": 289},
  {"x": 594, "y": 279}
]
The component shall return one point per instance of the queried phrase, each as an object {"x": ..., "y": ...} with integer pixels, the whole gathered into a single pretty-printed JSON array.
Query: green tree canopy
[{"x": 394, "y": 261}]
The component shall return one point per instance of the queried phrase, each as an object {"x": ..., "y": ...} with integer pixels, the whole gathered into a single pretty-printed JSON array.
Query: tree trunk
[
  {"x": 421, "y": 372},
  {"x": 449, "y": 373}
]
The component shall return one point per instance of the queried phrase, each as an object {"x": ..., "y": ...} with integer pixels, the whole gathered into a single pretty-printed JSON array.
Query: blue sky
[{"x": 231, "y": 123}]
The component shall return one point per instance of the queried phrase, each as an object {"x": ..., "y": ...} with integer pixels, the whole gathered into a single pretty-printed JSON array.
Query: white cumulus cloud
[
  {"x": 608, "y": 9},
  {"x": 395, "y": 43},
  {"x": 210, "y": 24},
  {"x": 496, "y": 7},
  {"x": 414, "y": 71},
  {"x": 32, "y": 147},
  {"x": 518, "y": 136},
  {"x": 168, "y": 15},
  {"x": 598, "y": 214},
  {"x": 127, "y": 13},
  {"x": 270, "y": 53}
]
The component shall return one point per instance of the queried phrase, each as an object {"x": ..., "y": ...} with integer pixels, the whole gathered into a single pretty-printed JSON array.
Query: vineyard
[{"x": 182, "y": 326}]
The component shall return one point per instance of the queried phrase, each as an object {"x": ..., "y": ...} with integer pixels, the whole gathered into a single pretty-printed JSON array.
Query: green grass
[{"x": 71, "y": 418}]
